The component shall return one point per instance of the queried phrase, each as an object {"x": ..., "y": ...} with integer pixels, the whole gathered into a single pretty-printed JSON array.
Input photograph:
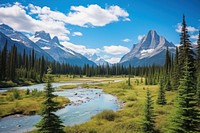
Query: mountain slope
[
  {"x": 21, "y": 42},
  {"x": 150, "y": 50},
  {"x": 58, "y": 51},
  {"x": 97, "y": 59}
]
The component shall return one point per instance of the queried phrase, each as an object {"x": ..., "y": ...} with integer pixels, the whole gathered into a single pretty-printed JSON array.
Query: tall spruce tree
[
  {"x": 148, "y": 124},
  {"x": 167, "y": 70},
  {"x": 186, "y": 119},
  {"x": 161, "y": 95},
  {"x": 175, "y": 73},
  {"x": 4, "y": 61},
  {"x": 198, "y": 69},
  {"x": 50, "y": 122}
]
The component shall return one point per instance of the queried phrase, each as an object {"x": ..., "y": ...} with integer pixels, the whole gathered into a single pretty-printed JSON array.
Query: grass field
[
  {"x": 128, "y": 119},
  {"x": 19, "y": 102}
]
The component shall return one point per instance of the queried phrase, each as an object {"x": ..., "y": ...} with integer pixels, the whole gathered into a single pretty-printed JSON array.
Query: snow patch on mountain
[
  {"x": 23, "y": 42},
  {"x": 97, "y": 59},
  {"x": 147, "y": 50},
  {"x": 58, "y": 51},
  {"x": 45, "y": 48}
]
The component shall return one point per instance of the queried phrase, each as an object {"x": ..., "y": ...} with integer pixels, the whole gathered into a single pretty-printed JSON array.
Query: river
[{"x": 85, "y": 103}]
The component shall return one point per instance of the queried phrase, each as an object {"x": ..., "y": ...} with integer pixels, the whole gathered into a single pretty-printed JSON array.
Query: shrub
[
  {"x": 16, "y": 94},
  {"x": 107, "y": 115}
]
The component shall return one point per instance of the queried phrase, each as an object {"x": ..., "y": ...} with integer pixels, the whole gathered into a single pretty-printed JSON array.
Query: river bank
[{"x": 85, "y": 103}]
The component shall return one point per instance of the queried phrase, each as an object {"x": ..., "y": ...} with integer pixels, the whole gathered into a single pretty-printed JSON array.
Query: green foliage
[
  {"x": 161, "y": 95},
  {"x": 129, "y": 80},
  {"x": 198, "y": 90},
  {"x": 149, "y": 121},
  {"x": 16, "y": 94},
  {"x": 186, "y": 119},
  {"x": 50, "y": 122},
  {"x": 168, "y": 84},
  {"x": 175, "y": 73},
  {"x": 108, "y": 115},
  {"x": 125, "y": 86},
  {"x": 27, "y": 91}
]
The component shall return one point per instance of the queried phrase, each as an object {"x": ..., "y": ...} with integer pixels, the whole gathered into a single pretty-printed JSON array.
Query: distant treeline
[{"x": 15, "y": 66}]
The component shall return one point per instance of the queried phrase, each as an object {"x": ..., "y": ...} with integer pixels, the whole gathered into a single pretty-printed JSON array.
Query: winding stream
[{"x": 85, "y": 103}]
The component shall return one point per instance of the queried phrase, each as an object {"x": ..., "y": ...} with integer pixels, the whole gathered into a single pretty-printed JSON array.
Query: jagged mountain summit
[
  {"x": 58, "y": 51},
  {"x": 150, "y": 50},
  {"x": 97, "y": 59},
  {"x": 21, "y": 41}
]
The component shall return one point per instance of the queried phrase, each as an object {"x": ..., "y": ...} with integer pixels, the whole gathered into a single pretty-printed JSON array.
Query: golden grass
[
  {"x": 26, "y": 104},
  {"x": 128, "y": 119}
]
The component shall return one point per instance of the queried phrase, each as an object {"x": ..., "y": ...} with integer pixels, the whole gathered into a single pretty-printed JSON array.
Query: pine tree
[
  {"x": 198, "y": 69},
  {"x": 50, "y": 123},
  {"x": 186, "y": 119},
  {"x": 42, "y": 64},
  {"x": 161, "y": 96},
  {"x": 129, "y": 75},
  {"x": 167, "y": 62},
  {"x": 175, "y": 74},
  {"x": 4, "y": 61},
  {"x": 148, "y": 125}
]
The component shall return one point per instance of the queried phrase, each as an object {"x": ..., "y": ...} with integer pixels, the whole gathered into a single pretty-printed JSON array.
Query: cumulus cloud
[
  {"x": 94, "y": 15},
  {"x": 80, "y": 48},
  {"x": 77, "y": 34},
  {"x": 194, "y": 36},
  {"x": 32, "y": 18},
  {"x": 113, "y": 60},
  {"x": 126, "y": 40},
  {"x": 116, "y": 50},
  {"x": 140, "y": 37},
  {"x": 16, "y": 16},
  {"x": 190, "y": 28},
  {"x": 21, "y": 18}
]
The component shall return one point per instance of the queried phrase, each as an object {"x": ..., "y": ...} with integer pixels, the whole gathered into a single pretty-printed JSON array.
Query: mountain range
[
  {"x": 97, "y": 59},
  {"x": 58, "y": 51},
  {"x": 21, "y": 41},
  {"x": 43, "y": 45},
  {"x": 150, "y": 50}
]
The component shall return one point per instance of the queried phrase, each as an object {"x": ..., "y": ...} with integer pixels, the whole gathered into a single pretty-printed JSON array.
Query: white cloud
[
  {"x": 21, "y": 18},
  {"x": 126, "y": 40},
  {"x": 140, "y": 37},
  {"x": 113, "y": 60},
  {"x": 116, "y": 50},
  {"x": 82, "y": 16},
  {"x": 194, "y": 36},
  {"x": 190, "y": 28},
  {"x": 77, "y": 34},
  {"x": 80, "y": 48},
  {"x": 16, "y": 17},
  {"x": 94, "y": 15},
  {"x": 178, "y": 28}
]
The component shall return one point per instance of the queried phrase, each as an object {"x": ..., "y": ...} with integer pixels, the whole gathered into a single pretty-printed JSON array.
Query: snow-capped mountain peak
[
  {"x": 22, "y": 42},
  {"x": 150, "y": 46},
  {"x": 42, "y": 35},
  {"x": 97, "y": 59},
  {"x": 6, "y": 27},
  {"x": 58, "y": 51},
  {"x": 55, "y": 39}
]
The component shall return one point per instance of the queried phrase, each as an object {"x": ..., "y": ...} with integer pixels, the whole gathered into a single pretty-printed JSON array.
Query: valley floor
[{"x": 128, "y": 119}]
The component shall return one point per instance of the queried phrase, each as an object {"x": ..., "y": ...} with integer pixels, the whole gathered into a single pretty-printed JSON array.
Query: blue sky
[{"x": 108, "y": 28}]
